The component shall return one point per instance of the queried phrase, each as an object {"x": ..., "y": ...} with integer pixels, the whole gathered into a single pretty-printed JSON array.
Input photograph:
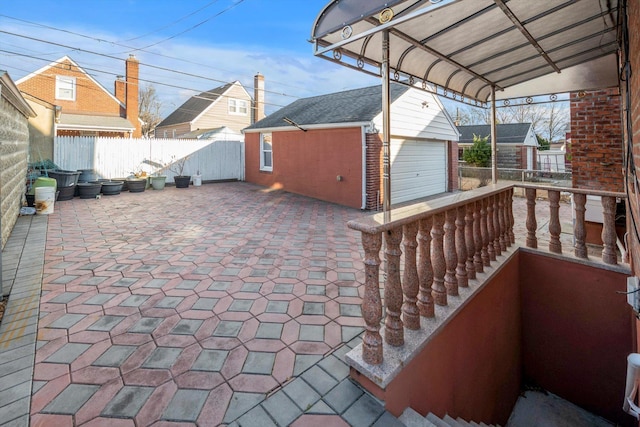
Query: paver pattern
[
  {"x": 223, "y": 304},
  {"x": 191, "y": 306}
]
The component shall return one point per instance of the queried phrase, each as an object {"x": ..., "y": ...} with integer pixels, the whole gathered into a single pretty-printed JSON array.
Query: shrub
[{"x": 479, "y": 155}]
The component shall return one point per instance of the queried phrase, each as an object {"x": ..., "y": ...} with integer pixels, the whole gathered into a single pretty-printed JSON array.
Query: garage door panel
[{"x": 418, "y": 169}]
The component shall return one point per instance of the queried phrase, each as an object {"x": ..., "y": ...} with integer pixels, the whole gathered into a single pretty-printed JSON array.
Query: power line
[
  {"x": 197, "y": 91},
  {"x": 120, "y": 59},
  {"x": 172, "y": 23},
  {"x": 131, "y": 48}
]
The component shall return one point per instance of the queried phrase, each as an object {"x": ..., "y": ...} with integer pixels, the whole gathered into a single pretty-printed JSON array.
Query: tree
[
  {"x": 479, "y": 155},
  {"x": 543, "y": 143},
  {"x": 149, "y": 109}
]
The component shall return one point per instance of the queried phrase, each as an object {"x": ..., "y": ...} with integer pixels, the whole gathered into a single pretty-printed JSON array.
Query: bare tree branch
[{"x": 149, "y": 109}]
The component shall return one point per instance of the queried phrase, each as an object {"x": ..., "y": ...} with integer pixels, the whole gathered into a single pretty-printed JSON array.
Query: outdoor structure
[
  {"x": 477, "y": 311},
  {"x": 229, "y": 105},
  {"x": 329, "y": 147},
  {"x": 79, "y": 104},
  {"x": 14, "y": 149},
  {"x": 516, "y": 143}
]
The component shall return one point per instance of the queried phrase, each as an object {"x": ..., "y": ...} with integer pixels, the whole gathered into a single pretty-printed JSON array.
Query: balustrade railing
[
  {"x": 609, "y": 236},
  {"x": 434, "y": 248},
  {"x": 446, "y": 242}
]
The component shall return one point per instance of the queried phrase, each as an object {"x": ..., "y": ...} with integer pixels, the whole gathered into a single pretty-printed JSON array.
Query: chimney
[
  {"x": 258, "y": 97},
  {"x": 132, "y": 89},
  {"x": 120, "y": 89}
]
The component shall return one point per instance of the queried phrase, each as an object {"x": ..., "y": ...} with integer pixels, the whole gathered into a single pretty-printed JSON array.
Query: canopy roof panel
[{"x": 464, "y": 47}]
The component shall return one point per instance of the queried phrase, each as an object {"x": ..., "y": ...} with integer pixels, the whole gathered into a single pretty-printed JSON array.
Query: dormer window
[
  {"x": 66, "y": 88},
  {"x": 238, "y": 106}
]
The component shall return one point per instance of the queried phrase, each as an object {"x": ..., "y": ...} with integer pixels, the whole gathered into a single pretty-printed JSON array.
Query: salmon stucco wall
[
  {"x": 472, "y": 368},
  {"x": 577, "y": 332},
  {"x": 309, "y": 163}
]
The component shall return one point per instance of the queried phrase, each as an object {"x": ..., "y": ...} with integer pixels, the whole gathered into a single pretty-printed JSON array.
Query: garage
[{"x": 417, "y": 169}]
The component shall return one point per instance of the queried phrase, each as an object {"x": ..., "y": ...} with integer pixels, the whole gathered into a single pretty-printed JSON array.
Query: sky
[{"x": 202, "y": 44}]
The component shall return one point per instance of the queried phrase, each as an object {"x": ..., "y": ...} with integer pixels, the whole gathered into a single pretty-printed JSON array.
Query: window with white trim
[
  {"x": 266, "y": 152},
  {"x": 238, "y": 106},
  {"x": 66, "y": 88}
]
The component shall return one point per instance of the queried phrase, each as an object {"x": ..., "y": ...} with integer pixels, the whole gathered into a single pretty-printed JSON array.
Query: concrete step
[
  {"x": 539, "y": 409},
  {"x": 411, "y": 418}
]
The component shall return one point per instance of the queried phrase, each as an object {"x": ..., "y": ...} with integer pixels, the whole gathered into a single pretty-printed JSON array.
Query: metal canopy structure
[
  {"x": 474, "y": 51},
  {"x": 463, "y": 48}
]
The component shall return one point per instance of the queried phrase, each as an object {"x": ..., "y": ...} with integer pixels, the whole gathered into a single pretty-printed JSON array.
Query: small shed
[
  {"x": 517, "y": 143},
  {"x": 330, "y": 147}
]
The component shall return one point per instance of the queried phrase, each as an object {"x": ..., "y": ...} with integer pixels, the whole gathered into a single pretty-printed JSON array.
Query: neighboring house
[
  {"x": 218, "y": 134},
  {"x": 229, "y": 105},
  {"x": 517, "y": 143},
  {"x": 82, "y": 106},
  {"x": 14, "y": 149},
  {"x": 330, "y": 147}
]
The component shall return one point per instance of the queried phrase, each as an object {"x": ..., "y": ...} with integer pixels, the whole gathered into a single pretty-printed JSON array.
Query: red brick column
[
  {"x": 374, "y": 170},
  {"x": 596, "y": 140}
]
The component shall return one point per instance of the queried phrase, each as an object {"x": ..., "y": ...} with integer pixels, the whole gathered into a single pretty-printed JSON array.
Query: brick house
[
  {"x": 229, "y": 105},
  {"x": 14, "y": 147},
  {"x": 517, "y": 143},
  {"x": 81, "y": 105},
  {"x": 329, "y": 147}
]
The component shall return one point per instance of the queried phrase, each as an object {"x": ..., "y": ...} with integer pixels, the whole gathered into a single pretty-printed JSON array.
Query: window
[
  {"x": 238, "y": 106},
  {"x": 266, "y": 153},
  {"x": 66, "y": 88}
]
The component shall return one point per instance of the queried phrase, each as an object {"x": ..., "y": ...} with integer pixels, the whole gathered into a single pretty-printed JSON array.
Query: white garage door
[{"x": 418, "y": 169}]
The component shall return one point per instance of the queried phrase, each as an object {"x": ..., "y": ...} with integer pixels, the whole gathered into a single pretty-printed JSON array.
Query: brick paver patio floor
[
  {"x": 223, "y": 304},
  {"x": 190, "y": 306}
]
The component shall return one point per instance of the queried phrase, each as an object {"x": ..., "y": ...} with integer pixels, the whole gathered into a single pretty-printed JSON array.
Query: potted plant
[
  {"x": 138, "y": 183},
  {"x": 177, "y": 167},
  {"x": 158, "y": 181}
]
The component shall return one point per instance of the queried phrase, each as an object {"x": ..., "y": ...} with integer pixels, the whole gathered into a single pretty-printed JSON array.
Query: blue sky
[{"x": 238, "y": 39}]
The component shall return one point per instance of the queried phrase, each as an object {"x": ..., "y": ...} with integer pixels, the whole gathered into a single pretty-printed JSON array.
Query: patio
[{"x": 220, "y": 304}]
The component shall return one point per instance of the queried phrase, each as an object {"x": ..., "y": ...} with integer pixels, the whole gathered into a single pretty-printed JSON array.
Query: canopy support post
[
  {"x": 386, "y": 126},
  {"x": 494, "y": 138}
]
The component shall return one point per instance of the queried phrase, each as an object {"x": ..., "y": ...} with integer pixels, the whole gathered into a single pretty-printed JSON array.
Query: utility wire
[
  {"x": 172, "y": 23},
  {"x": 184, "y": 73},
  {"x": 271, "y": 81}
]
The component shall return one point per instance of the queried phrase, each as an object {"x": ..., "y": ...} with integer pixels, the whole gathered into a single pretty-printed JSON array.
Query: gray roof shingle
[
  {"x": 356, "y": 105},
  {"x": 508, "y": 133},
  {"x": 194, "y": 106},
  {"x": 97, "y": 121}
]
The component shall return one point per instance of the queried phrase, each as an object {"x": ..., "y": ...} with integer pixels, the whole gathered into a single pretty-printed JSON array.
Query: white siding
[
  {"x": 412, "y": 118},
  {"x": 120, "y": 157},
  {"x": 418, "y": 169}
]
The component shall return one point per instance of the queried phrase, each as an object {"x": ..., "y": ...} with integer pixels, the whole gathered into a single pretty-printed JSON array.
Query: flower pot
[
  {"x": 66, "y": 193},
  {"x": 111, "y": 188},
  {"x": 158, "y": 182},
  {"x": 89, "y": 190},
  {"x": 86, "y": 175},
  {"x": 182, "y": 181},
  {"x": 137, "y": 185},
  {"x": 65, "y": 178}
]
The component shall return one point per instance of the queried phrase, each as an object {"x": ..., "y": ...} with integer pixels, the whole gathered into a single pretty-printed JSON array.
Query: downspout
[
  {"x": 386, "y": 127},
  {"x": 364, "y": 167},
  {"x": 494, "y": 132}
]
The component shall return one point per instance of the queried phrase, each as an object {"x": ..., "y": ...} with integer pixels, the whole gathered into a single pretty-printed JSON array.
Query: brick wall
[
  {"x": 374, "y": 171},
  {"x": 452, "y": 166},
  {"x": 634, "y": 200},
  {"x": 14, "y": 145},
  {"x": 596, "y": 140},
  {"x": 90, "y": 98}
]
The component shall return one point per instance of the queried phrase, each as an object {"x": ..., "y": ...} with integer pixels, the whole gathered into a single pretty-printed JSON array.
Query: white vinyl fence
[{"x": 121, "y": 157}]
